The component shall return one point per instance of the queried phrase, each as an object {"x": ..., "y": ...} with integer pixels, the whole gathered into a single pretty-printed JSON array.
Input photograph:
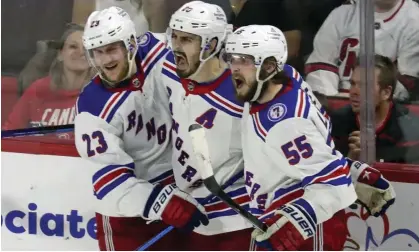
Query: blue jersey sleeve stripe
[
  {"x": 282, "y": 191},
  {"x": 256, "y": 211},
  {"x": 93, "y": 99},
  {"x": 147, "y": 45},
  {"x": 303, "y": 104},
  {"x": 119, "y": 102},
  {"x": 227, "y": 212},
  {"x": 233, "y": 194},
  {"x": 258, "y": 126},
  {"x": 226, "y": 185},
  {"x": 293, "y": 74},
  {"x": 330, "y": 168},
  {"x": 115, "y": 183},
  {"x": 161, "y": 177},
  {"x": 109, "y": 168},
  {"x": 153, "y": 62},
  {"x": 339, "y": 181},
  {"x": 225, "y": 102},
  {"x": 220, "y": 107},
  {"x": 170, "y": 75},
  {"x": 110, "y": 102},
  {"x": 256, "y": 130}
]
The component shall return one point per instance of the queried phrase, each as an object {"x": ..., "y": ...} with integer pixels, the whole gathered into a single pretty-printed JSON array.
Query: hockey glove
[
  {"x": 175, "y": 208},
  {"x": 374, "y": 192},
  {"x": 291, "y": 225}
]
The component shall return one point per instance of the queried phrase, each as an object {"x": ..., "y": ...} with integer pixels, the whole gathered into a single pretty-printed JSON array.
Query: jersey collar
[{"x": 193, "y": 87}]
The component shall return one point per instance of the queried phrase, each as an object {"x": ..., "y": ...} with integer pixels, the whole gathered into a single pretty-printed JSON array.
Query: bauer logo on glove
[
  {"x": 298, "y": 218},
  {"x": 162, "y": 198},
  {"x": 291, "y": 225},
  {"x": 176, "y": 208}
]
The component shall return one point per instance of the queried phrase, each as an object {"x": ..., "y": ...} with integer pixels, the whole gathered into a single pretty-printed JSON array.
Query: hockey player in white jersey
[
  {"x": 206, "y": 96},
  {"x": 294, "y": 176},
  {"x": 123, "y": 127},
  {"x": 336, "y": 46}
]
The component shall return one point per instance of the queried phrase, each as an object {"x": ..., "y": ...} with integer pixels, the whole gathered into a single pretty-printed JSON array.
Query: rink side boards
[{"x": 46, "y": 202}]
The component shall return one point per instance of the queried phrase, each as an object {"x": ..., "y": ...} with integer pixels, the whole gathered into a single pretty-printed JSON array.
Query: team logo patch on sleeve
[
  {"x": 277, "y": 112},
  {"x": 144, "y": 39}
]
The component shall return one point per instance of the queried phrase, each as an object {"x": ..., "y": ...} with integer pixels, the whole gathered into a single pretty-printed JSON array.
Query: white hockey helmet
[
  {"x": 203, "y": 19},
  {"x": 109, "y": 26},
  {"x": 260, "y": 42}
]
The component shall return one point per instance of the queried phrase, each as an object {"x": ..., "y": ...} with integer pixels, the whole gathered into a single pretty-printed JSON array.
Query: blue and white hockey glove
[
  {"x": 374, "y": 192},
  {"x": 176, "y": 208},
  {"x": 289, "y": 228}
]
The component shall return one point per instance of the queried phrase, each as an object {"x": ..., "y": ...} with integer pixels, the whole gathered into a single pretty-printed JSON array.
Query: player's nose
[{"x": 106, "y": 59}]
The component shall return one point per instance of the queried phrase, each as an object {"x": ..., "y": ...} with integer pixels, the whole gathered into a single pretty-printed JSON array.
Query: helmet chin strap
[
  {"x": 201, "y": 54},
  {"x": 201, "y": 63},
  {"x": 260, "y": 84}
]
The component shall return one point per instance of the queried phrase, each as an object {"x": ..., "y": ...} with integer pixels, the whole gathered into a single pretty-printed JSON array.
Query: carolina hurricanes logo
[{"x": 376, "y": 232}]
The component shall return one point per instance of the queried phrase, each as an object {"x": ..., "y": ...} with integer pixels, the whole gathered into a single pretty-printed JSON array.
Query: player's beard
[
  {"x": 120, "y": 77},
  {"x": 246, "y": 97},
  {"x": 191, "y": 68},
  {"x": 189, "y": 71}
]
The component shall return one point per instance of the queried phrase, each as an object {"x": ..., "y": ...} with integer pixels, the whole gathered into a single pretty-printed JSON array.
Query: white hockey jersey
[
  {"x": 290, "y": 157},
  {"x": 336, "y": 46},
  {"x": 214, "y": 106},
  {"x": 125, "y": 133}
]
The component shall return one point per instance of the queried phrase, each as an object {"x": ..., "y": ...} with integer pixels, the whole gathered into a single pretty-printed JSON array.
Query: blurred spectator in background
[
  {"x": 135, "y": 9},
  {"x": 336, "y": 46},
  {"x": 51, "y": 100},
  {"x": 38, "y": 66},
  {"x": 397, "y": 129},
  {"x": 26, "y": 22},
  {"x": 313, "y": 14},
  {"x": 283, "y": 14}
]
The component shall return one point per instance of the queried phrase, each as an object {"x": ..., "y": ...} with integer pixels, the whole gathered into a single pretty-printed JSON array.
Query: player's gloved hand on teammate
[
  {"x": 289, "y": 228},
  {"x": 374, "y": 192},
  {"x": 176, "y": 208}
]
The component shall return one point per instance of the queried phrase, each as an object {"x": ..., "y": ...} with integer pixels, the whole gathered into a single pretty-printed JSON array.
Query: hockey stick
[
  {"x": 37, "y": 130},
  {"x": 155, "y": 238},
  {"x": 200, "y": 147},
  {"x": 170, "y": 228}
]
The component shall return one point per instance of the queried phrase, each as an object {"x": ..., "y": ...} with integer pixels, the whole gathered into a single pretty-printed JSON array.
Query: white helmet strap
[
  {"x": 205, "y": 46},
  {"x": 260, "y": 83}
]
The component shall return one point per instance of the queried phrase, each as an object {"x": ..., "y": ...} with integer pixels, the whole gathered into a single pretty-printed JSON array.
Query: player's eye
[{"x": 186, "y": 40}]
